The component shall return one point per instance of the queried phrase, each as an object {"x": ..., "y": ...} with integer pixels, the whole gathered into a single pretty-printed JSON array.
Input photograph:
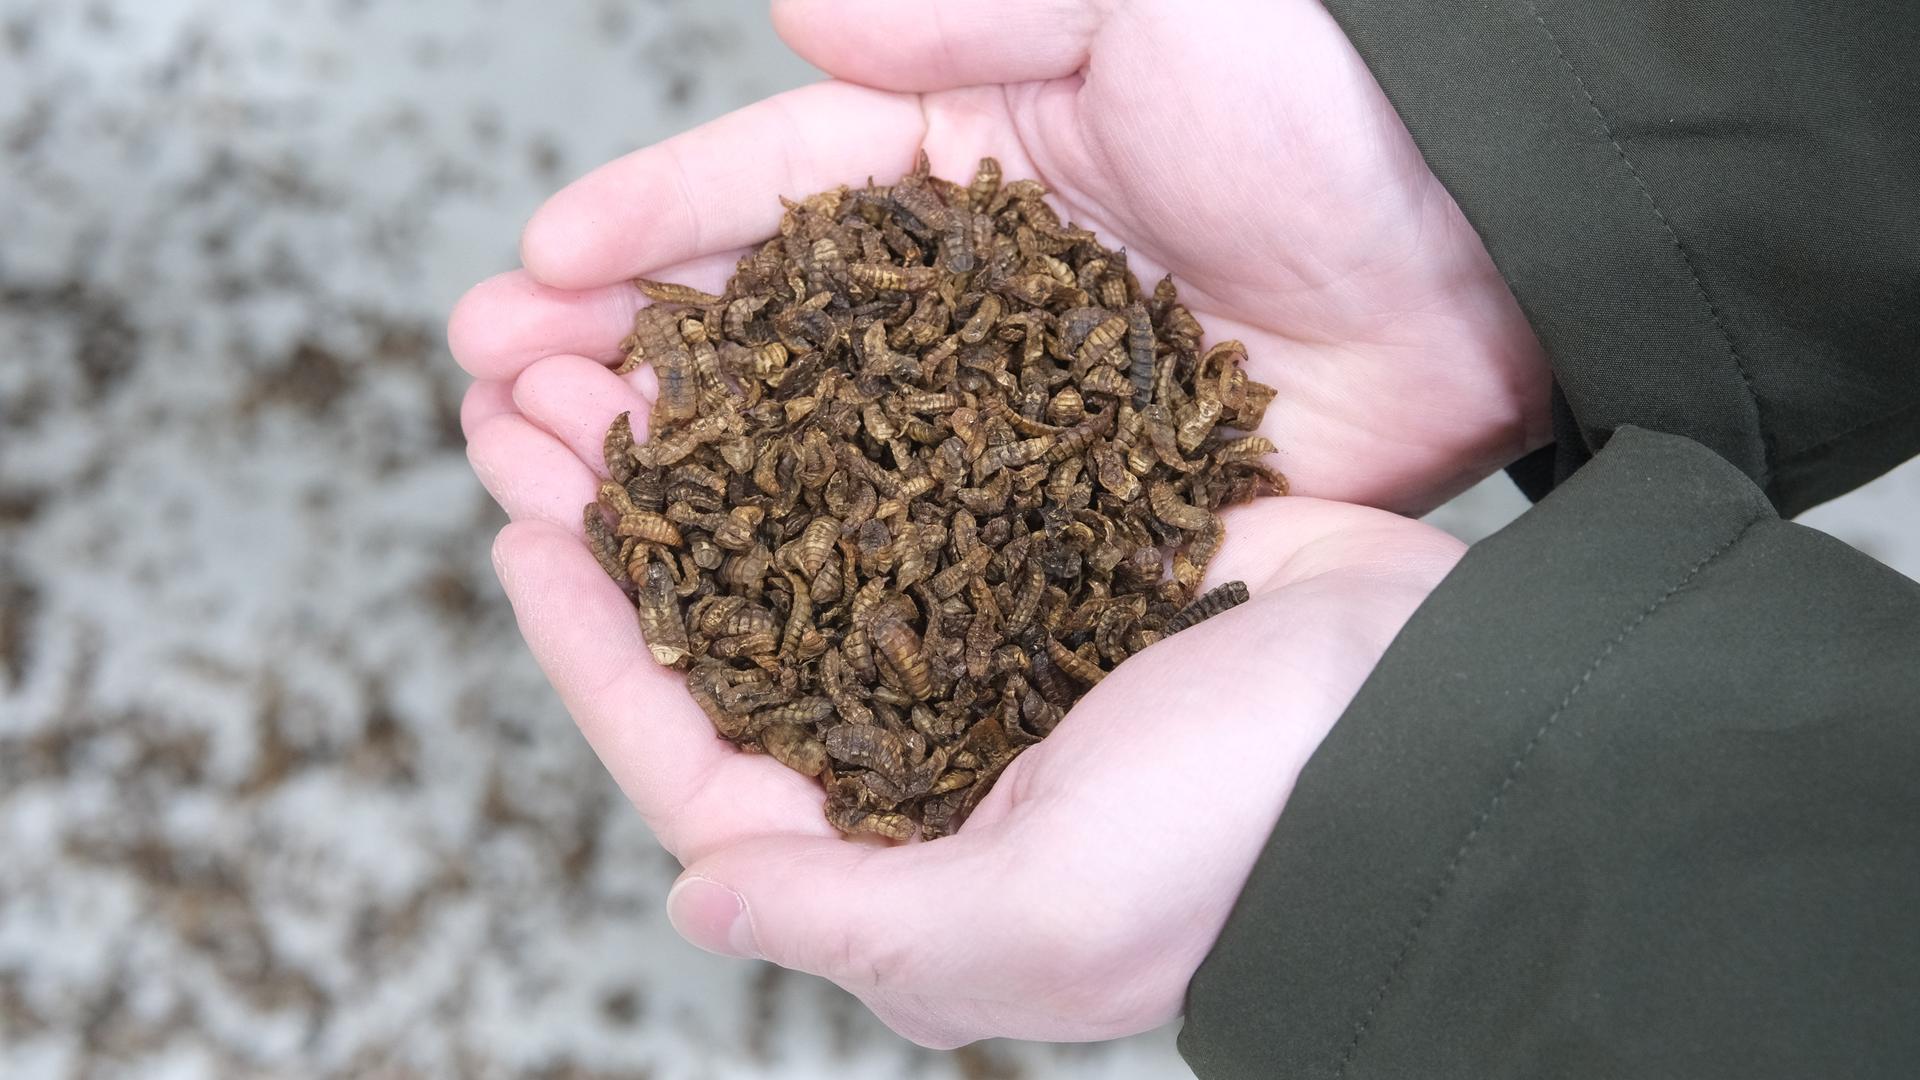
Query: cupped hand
[
  {"x": 1078, "y": 899},
  {"x": 1240, "y": 144},
  {"x": 1242, "y": 147}
]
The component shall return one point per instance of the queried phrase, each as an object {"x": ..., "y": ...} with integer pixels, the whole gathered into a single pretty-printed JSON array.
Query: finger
[
  {"x": 575, "y": 400},
  {"x": 1261, "y": 538},
  {"x": 510, "y": 320},
  {"x": 715, "y": 188},
  {"x": 1282, "y": 542},
  {"x": 486, "y": 398},
  {"x": 910, "y": 919},
  {"x": 694, "y": 790},
  {"x": 530, "y": 473},
  {"x": 939, "y": 44}
]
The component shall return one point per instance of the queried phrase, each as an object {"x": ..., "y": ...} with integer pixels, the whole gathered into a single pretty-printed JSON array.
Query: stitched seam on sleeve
[
  {"x": 1514, "y": 770},
  {"x": 1686, "y": 257}
]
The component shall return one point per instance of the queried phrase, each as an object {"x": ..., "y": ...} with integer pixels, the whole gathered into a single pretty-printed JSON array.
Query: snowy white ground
[{"x": 280, "y": 792}]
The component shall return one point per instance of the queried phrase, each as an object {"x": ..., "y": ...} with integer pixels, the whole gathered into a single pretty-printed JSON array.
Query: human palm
[{"x": 1242, "y": 147}]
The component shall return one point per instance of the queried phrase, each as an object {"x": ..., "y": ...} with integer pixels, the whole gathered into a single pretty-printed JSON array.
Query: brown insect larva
[
  {"x": 702, "y": 686},
  {"x": 815, "y": 544},
  {"x": 655, "y": 335},
  {"x": 1197, "y": 419},
  {"x": 956, "y": 245},
  {"x": 666, "y": 293},
  {"x": 919, "y": 402},
  {"x": 660, "y": 622},
  {"x": 1245, "y": 448},
  {"x": 904, "y": 494},
  {"x": 800, "y": 618},
  {"x": 617, "y": 449},
  {"x": 758, "y": 643},
  {"x": 744, "y": 620},
  {"x": 1140, "y": 353},
  {"x": 1170, "y": 508},
  {"x": 867, "y": 747},
  {"x": 740, "y": 313},
  {"x": 986, "y": 183},
  {"x": 827, "y": 582},
  {"x": 1109, "y": 378},
  {"x": 790, "y": 745},
  {"x": 909, "y": 558},
  {"x": 679, "y": 388},
  {"x": 604, "y": 545},
  {"x": 653, "y": 528},
  {"x": 889, "y": 824},
  {"x": 1026, "y": 603},
  {"x": 1066, "y": 407},
  {"x": 1013, "y": 454},
  {"x": 898, "y": 278},
  {"x": 1110, "y": 468},
  {"x": 706, "y": 554},
  {"x": 709, "y": 613},
  {"x": 1210, "y": 603},
  {"x": 805, "y": 711},
  {"x": 954, "y": 578},
  {"x": 983, "y": 320},
  {"x": 917, "y": 199},
  {"x": 735, "y": 532},
  {"x": 1073, "y": 663},
  {"x": 898, "y": 649},
  {"x": 747, "y": 572},
  {"x": 670, "y": 448}
]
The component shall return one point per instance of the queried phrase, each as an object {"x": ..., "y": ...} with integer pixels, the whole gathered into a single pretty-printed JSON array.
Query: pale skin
[{"x": 1243, "y": 147}]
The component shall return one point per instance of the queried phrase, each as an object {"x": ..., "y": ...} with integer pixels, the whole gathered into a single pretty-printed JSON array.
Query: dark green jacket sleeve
[
  {"x": 1636, "y": 793},
  {"x": 1708, "y": 209}
]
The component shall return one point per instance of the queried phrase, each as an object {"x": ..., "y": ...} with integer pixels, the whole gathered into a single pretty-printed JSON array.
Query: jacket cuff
[
  {"x": 1491, "y": 94},
  {"x": 1376, "y": 828}
]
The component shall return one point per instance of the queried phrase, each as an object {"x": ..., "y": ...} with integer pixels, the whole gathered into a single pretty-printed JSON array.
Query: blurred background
[{"x": 281, "y": 793}]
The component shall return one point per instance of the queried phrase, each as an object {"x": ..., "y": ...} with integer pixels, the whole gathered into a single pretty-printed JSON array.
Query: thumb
[
  {"x": 1278, "y": 543},
  {"x": 867, "y": 917},
  {"x": 939, "y": 44}
]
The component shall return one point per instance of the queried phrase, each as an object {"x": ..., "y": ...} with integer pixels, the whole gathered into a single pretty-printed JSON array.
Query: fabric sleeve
[
  {"x": 1709, "y": 211},
  {"x": 1635, "y": 793}
]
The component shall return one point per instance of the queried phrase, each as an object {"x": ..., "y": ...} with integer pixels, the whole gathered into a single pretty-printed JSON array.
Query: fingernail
[{"x": 711, "y": 916}]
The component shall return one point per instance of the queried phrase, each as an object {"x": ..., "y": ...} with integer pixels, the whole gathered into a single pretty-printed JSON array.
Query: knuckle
[
  {"x": 873, "y": 960},
  {"x": 499, "y": 552}
]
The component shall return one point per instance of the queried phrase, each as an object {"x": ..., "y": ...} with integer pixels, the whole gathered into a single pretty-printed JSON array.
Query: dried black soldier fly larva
[{"x": 913, "y": 483}]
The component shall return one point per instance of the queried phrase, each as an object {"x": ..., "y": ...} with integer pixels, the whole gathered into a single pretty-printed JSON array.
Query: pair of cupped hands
[{"x": 1244, "y": 147}]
